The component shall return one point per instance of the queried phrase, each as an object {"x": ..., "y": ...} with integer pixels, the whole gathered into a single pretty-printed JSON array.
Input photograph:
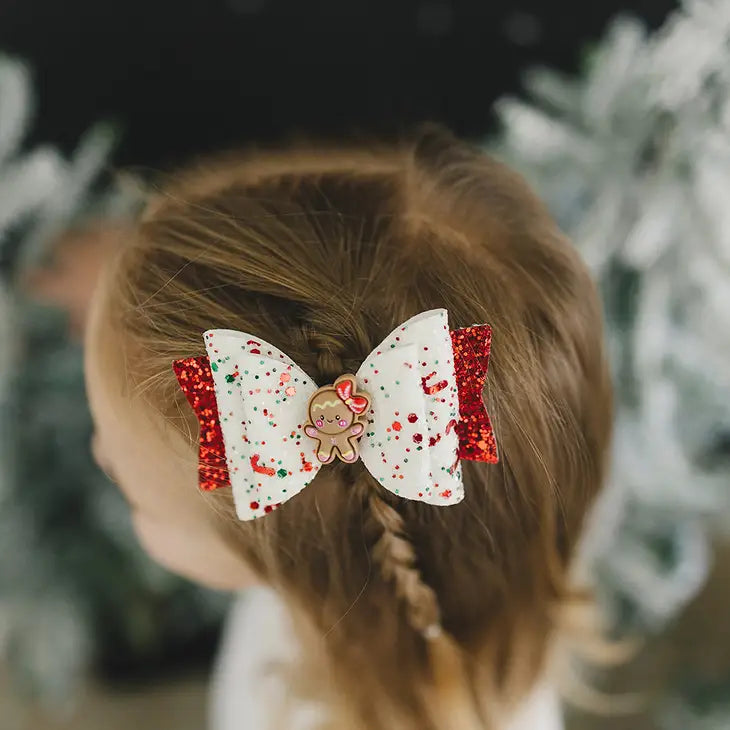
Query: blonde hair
[{"x": 411, "y": 616}]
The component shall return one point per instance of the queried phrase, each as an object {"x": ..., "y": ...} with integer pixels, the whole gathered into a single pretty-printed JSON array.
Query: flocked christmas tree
[
  {"x": 633, "y": 158},
  {"x": 75, "y": 589}
]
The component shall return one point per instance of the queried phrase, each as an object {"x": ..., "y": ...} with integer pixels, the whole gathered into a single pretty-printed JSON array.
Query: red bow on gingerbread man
[{"x": 356, "y": 403}]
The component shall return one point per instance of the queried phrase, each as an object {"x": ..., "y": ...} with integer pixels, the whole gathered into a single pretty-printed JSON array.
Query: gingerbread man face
[
  {"x": 336, "y": 416},
  {"x": 328, "y": 413}
]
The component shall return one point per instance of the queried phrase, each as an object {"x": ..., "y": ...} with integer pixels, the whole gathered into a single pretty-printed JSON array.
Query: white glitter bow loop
[
  {"x": 409, "y": 443},
  {"x": 262, "y": 398}
]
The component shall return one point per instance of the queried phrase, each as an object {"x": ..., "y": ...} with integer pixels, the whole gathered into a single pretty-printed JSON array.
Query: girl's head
[{"x": 322, "y": 252}]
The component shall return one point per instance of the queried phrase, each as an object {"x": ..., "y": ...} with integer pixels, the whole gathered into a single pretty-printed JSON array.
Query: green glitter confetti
[
  {"x": 282, "y": 473},
  {"x": 214, "y": 367}
]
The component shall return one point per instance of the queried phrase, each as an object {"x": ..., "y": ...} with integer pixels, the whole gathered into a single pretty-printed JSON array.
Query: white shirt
[{"x": 258, "y": 632}]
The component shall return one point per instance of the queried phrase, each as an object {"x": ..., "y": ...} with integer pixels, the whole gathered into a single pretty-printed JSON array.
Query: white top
[{"x": 258, "y": 633}]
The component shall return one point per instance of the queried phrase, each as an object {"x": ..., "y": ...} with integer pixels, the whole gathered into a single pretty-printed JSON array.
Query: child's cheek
[
  {"x": 200, "y": 556},
  {"x": 154, "y": 537}
]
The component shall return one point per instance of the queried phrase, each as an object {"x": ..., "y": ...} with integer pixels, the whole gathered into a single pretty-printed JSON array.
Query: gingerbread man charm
[{"x": 336, "y": 419}]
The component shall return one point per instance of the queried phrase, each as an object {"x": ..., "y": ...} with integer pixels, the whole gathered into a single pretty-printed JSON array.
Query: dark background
[{"x": 186, "y": 76}]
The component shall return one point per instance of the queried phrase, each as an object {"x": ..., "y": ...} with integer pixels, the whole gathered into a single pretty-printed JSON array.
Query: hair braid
[
  {"x": 452, "y": 701},
  {"x": 392, "y": 552},
  {"x": 329, "y": 354},
  {"x": 397, "y": 559}
]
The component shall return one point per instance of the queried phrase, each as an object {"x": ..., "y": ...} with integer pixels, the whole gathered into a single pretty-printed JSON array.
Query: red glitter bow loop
[
  {"x": 471, "y": 360},
  {"x": 196, "y": 381}
]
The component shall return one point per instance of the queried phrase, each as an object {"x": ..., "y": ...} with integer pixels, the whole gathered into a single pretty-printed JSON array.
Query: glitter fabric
[
  {"x": 196, "y": 381},
  {"x": 471, "y": 358}
]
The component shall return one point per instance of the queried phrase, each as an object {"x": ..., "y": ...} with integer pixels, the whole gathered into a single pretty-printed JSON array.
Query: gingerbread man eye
[{"x": 319, "y": 423}]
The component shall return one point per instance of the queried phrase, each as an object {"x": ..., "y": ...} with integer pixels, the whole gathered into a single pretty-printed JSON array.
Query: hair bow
[{"x": 414, "y": 408}]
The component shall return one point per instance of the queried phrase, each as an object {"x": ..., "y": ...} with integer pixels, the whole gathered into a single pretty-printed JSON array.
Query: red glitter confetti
[
  {"x": 306, "y": 465},
  {"x": 259, "y": 469},
  {"x": 446, "y": 493},
  {"x": 254, "y": 505},
  {"x": 417, "y": 437},
  {"x": 432, "y": 389},
  {"x": 196, "y": 381},
  {"x": 396, "y": 426},
  {"x": 433, "y": 440},
  {"x": 471, "y": 347},
  {"x": 412, "y": 418}
]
